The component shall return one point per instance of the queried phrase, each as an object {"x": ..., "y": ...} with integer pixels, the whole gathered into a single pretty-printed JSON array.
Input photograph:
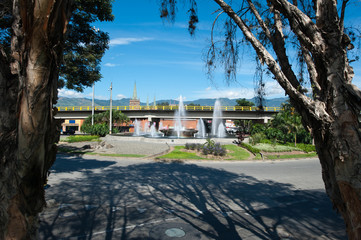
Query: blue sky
[{"x": 165, "y": 61}]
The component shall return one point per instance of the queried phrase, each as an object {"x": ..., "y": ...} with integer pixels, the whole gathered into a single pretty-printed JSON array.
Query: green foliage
[
  {"x": 177, "y": 153},
  {"x": 101, "y": 121},
  {"x": 193, "y": 146},
  {"x": 236, "y": 153},
  {"x": 274, "y": 134},
  {"x": 304, "y": 147},
  {"x": 85, "y": 45},
  {"x": 244, "y": 126},
  {"x": 265, "y": 147},
  {"x": 250, "y": 148},
  {"x": 258, "y": 128},
  {"x": 5, "y": 25},
  {"x": 193, "y": 105},
  {"x": 163, "y": 104},
  {"x": 257, "y": 138},
  {"x": 81, "y": 138},
  {"x": 288, "y": 122},
  {"x": 99, "y": 129},
  {"x": 242, "y": 102}
]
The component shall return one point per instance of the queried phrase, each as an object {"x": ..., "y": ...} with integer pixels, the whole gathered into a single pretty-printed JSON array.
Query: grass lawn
[
  {"x": 81, "y": 138},
  {"x": 177, "y": 153},
  {"x": 265, "y": 147},
  {"x": 234, "y": 153}
]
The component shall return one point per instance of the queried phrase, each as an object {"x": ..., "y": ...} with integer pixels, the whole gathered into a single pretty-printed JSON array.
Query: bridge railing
[{"x": 166, "y": 108}]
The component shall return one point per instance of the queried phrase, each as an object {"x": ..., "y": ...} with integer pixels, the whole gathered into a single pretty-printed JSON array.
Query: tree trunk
[
  {"x": 338, "y": 146},
  {"x": 332, "y": 114},
  {"x": 30, "y": 91}
]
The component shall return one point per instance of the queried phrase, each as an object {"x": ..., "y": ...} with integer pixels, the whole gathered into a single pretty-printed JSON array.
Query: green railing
[{"x": 166, "y": 108}]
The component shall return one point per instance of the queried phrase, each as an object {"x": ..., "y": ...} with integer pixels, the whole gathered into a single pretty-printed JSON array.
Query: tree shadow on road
[{"x": 141, "y": 201}]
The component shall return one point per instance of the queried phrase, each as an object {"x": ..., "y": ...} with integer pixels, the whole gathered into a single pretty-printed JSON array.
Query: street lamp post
[
  {"x": 93, "y": 107},
  {"x": 111, "y": 110}
]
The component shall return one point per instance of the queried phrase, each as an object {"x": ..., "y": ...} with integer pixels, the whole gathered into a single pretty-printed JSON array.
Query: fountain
[
  {"x": 136, "y": 128},
  {"x": 153, "y": 131},
  {"x": 179, "y": 114},
  {"x": 201, "y": 129},
  {"x": 218, "y": 128},
  {"x": 221, "y": 133},
  {"x": 179, "y": 130}
]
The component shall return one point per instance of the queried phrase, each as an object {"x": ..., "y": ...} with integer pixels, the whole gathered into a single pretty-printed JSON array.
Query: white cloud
[
  {"x": 70, "y": 93},
  {"x": 127, "y": 41},
  {"x": 231, "y": 93},
  {"x": 110, "y": 65},
  {"x": 273, "y": 89},
  {"x": 73, "y": 94},
  {"x": 121, "y": 96}
]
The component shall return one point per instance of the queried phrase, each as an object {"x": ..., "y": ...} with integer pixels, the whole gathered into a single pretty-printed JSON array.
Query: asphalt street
[{"x": 94, "y": 197}]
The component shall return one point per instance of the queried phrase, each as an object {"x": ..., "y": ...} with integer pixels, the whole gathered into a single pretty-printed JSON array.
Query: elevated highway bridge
[{"x": 168, "y": 112}]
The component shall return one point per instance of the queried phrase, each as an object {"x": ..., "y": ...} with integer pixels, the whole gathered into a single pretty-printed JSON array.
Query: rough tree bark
[
  {"x": 28, "y": 87},
  {"x": 332, "y": 114}
]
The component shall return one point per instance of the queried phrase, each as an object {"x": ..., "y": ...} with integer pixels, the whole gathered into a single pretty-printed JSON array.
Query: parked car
[
  {"x": 69, "y": 132},
  {"x": 231, "y": 130}
]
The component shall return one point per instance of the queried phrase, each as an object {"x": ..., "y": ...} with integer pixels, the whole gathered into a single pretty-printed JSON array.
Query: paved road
[{"x": 110, "y": 198}]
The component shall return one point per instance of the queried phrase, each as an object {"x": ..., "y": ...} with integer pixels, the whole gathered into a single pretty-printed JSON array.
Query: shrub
[
  {"x": 250, "y": 148},
  {"x": 191, "y": 146},
  {"x": 304, "y": 137},
  {"x": 257, "y": 138},
  {"x": 274, "y": 133},
  {"x": 304, "y": 147},
  {"x": 257, "y": 128},
  {"x": 81, "y": 138},
  {"x": 219, "y": 150},
  {"x": 267, "y": 141},
  {"x": 99, "y": 129},
  {"x": 211, "y": 147},
  {"x": 199, "y": 147},
  {"x": 206, "y": 150}
]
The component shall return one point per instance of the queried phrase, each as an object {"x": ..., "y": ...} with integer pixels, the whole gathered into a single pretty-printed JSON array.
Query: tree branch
[
  {"x": 316, "y": 109},
  {"x": 280, "y": 50},
  {"x": 311, "y": 70},
  {"x": 305, "y": 29},
  {"x": 260, "y": 20}
]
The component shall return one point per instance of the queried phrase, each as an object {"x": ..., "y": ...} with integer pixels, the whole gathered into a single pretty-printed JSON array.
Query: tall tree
[
  {"x": 242, "y": 102},
  {"x": 29, "y": 71},
  {"x": 316, "y": 29}
]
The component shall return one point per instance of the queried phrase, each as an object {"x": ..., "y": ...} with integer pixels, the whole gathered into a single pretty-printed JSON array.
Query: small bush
[
  {"x": 206, "y": 150},
  {"x": 304, "y": 147},
  {"x": 81, "y": 138},
  {"x": 199, "y": 147},
  {"x": 257, "y": 138},
  {"x": 211, "y": 147},
  {"x": 274, "y": 133},
  {"x": 267, "y": 141},
  {"x": 250, "y": 148},
  {"x": 99, "y": 129}
]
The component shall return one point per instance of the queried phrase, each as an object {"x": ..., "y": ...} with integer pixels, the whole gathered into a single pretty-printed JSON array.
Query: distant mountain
[{"x": 63, "y": 102}]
